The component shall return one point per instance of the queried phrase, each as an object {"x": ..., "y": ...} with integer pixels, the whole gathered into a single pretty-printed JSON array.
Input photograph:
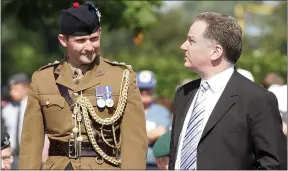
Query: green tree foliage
[{"x": 268, "y": 51}]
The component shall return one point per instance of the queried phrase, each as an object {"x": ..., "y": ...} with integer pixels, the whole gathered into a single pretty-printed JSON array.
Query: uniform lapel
[
  {"x": 91, "y": 77},
  {"x": 65, "y": 76},
  {"x": 184, "y": 105}
]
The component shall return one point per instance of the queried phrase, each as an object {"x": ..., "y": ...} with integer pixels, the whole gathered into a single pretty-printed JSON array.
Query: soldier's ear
[
  {"x": 100, "y": 31},
  {"x": 63, "y": 40}
]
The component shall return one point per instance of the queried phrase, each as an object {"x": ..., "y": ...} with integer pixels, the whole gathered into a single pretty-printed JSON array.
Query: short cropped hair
[{"x": 224, "y": 30}]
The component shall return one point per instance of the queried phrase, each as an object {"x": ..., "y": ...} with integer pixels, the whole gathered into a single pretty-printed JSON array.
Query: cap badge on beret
[
  {"x": 76, "y": 5},
  {"x": 91, "y": 5}
]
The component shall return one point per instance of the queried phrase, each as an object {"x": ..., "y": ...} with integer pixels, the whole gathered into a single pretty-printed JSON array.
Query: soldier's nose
[{"x": 89, "y": 47}]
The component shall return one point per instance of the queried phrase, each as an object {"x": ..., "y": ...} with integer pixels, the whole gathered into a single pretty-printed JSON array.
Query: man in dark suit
[{"x": 222, "y": 120}]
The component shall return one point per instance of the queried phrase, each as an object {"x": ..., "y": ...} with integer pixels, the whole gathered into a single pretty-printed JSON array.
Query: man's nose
[
  {"x": 88, "y": 46},
  {"x": 183, "y": 46}
]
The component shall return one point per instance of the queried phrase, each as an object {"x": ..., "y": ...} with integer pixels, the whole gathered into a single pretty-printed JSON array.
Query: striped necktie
[{"x": 193, "y": 132}]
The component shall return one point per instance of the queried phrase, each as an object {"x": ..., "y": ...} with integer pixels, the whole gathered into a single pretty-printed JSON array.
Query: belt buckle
[{"x": 73, "y": 153}]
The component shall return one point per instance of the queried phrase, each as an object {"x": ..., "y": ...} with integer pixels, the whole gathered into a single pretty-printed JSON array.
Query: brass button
[{"x": 47, "y": 103}]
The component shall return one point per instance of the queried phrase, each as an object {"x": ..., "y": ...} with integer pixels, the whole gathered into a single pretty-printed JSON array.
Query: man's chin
[
  {"x": 87, "y": 60},
  {"x": 187, "y": 65}
]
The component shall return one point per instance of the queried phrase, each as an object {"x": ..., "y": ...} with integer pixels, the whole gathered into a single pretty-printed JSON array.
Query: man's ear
[
  {"x": 100, "y": 31},
  {"x": 62, "y": 39},
  {"x": 217, "y": 52}
]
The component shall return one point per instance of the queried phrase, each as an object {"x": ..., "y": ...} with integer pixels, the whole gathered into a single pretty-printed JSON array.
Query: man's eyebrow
[
  {"x": 82, "y": 37},
  {"x": 6, "y": 156},
  {"x": 190, "y": 37}
]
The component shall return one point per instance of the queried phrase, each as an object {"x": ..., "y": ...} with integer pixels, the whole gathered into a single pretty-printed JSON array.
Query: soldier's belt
[{"x": 58, "y": 148}]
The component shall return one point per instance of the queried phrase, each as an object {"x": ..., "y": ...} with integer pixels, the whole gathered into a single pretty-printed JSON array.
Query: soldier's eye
[
  {"x": 93, "y": 39},
  {"x": 80, "y": 40}
]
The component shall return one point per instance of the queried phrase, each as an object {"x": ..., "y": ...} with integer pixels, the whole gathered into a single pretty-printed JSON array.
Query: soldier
[{"x": 89, "y": 107}]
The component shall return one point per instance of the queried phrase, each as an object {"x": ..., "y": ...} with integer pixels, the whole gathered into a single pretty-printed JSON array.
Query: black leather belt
[{"x": 58, "y": 148}]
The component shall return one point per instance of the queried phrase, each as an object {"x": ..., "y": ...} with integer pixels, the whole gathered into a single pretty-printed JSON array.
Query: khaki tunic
[{"x": 48, "y": 112}]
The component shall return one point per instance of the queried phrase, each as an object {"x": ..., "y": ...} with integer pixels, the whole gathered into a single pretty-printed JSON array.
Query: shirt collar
[{"x": 219, "y": 80}]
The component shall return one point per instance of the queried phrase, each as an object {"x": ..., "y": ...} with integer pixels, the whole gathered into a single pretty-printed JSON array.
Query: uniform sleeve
[
  {"x": 266, "y": 131},
  {"x": 134, "y": 142},
  {"x": 32, "y": 138}
]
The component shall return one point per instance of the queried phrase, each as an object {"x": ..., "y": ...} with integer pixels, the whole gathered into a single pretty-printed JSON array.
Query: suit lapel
[
  {"x": 225, "y": 102},
  {"x": 91, "y": 77},
  {"x": 184, "y": 105},
  {"x": 65, "y": 76}
]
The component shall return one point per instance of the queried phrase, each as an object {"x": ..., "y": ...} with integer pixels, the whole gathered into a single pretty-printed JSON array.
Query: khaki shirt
[{"x": 48, "y": 112}]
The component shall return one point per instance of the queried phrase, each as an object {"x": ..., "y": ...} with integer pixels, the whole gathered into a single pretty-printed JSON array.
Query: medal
[
  {"x": 101, "y": 102},
  {"x": 109, "y": 102},
  {"x": 99, "y": 97},
  {"x": 107, "y": 90}
]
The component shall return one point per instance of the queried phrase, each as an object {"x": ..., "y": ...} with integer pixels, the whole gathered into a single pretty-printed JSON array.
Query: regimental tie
[
  {"x": 77, "y": 75},
  {"x": 193, "y": 132}
]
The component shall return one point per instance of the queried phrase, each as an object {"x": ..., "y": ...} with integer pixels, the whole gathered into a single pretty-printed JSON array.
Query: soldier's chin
[{"x": 87, "y": 59}]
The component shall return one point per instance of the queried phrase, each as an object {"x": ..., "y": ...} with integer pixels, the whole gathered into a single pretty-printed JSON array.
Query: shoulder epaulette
[
  {"x": 119, "y": 64},
  {"x": 49, "y": 65}
]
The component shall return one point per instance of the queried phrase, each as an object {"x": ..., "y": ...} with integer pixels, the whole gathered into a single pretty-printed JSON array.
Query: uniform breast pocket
[{"x": 52, "y": 107}]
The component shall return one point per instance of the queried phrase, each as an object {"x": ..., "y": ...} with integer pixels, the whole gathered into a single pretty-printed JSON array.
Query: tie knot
[
  {"x": 204, "y": 86},
  {"x": 77, "y": 72}
]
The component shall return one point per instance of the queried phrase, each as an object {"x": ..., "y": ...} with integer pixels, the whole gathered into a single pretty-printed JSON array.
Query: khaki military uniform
[{"x": 48, "y": 112}]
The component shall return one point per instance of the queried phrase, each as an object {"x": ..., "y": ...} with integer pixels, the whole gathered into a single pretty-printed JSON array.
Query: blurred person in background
[
  {"x": 5, "y": 96},
  {"x": 168, "y": 104},
  {"x": 272, "y": 79},
  {"x": 157, "y": 116},
  {"x": 13, "y": 112},
  {"x": 164, "y": 101},
  {"x": 280, "y": 92},
  {"x": 275, "y": 83},
  {"x": 6, "y": 151}
]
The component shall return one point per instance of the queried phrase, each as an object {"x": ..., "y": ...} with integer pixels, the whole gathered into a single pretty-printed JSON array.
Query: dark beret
[
  {"x": 80, "y": 20},
  {"x": 161, "y": 147},
  {"x": 4, "y": 139}
]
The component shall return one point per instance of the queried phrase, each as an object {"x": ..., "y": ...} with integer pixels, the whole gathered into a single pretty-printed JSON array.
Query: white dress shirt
[{"x": 217, "y": 85}]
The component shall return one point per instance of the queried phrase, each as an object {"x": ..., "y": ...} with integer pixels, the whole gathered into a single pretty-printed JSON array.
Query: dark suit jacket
[{"x": 244, "y": 130}]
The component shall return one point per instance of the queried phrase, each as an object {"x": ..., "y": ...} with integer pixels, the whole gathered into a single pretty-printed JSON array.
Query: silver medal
[
  {"x": 101, "y": 102},
  {"x": 109, "y": 102}
]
